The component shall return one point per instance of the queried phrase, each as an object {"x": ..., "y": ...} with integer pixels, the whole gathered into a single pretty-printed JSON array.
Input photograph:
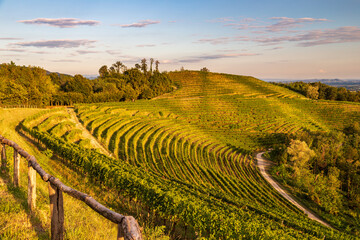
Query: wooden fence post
[
  {"x": 129, "y": 229},
  {"x": 57, "y": 212},
  {"x": 3, "y": 156},
  {"x": 31, "y": 188},
  {"x": 16, "y": 168}
]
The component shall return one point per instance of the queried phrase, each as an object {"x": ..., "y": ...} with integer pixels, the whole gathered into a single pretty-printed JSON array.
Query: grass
[{"x": 16, "y": 222}]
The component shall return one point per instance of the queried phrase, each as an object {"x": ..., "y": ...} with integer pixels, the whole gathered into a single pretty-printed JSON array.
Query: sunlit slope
[
  {"x": 243, "y": 111},
  {"x": 200, "y": 84},
  {"x": 196, "y": 150},
  {"x": 164, "y": 145}
]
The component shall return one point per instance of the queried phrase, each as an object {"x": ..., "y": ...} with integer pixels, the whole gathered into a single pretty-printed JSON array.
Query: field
[
  {"x": 186, "y": 157},
  {"x": 16, "y": 222}
]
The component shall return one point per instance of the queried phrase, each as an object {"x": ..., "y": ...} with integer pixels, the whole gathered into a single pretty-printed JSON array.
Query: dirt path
[
  {"x": 86, "y": 133},
  {"x": 263, "y": 165}
]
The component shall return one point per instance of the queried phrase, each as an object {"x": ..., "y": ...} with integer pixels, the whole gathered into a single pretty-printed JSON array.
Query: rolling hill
[{"x": 186, "y": 156}]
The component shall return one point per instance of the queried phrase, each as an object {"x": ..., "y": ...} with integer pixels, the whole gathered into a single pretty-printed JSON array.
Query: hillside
[
  {"x": 16, "y": 222},
  {"x": 194, "y": 146},
  {"x": 184, "y": 159}
]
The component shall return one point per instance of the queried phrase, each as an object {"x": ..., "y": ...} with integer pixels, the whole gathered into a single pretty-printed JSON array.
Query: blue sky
[{"x": 266, "y": 39}]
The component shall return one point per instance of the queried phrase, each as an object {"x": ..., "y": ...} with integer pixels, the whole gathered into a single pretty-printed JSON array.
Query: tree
[
  {"x": 300, "y": 154},
  {"x": 144, "y": 65},
  {"x": 103, "y": 71},
  {"x": 157, "y": 65},
  {"x": 137, "y": 66},
  {"x": 151, "y": 64},
  {"x": 204, "y": 69},
  {"x": 312, "y": 92},
  {"x": 79, "y": 84},
  {"x": 118, "y": 66}
]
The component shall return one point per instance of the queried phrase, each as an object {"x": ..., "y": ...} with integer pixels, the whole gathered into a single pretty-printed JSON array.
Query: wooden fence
[{"x": 128, "y": 228}]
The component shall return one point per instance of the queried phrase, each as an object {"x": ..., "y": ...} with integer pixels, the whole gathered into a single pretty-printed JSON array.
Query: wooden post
[
  {"x": 16, "y": 168},
  {"x": 31, "y": 188},
  {"x": 3, "y": 156},
  {"x": 129, "y": 229},
  {"x": 57, "y": 213}
]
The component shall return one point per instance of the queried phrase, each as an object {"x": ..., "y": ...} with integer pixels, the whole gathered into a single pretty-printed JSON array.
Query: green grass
[{"x": 16, "y": 222}]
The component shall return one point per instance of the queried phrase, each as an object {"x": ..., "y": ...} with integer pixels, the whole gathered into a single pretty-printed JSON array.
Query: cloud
[
  {"x": 65, "y": 60},
  {"x": 304, "y": 38},
  {"x": 215, "y": 41},
  {"x": 146, "y": 45},
  {"x": 285, "y": 23},
  {"x": 222, "y": 20},
  {"x": 140, "y": 24},
  {"x": 166, "y": 61},
  {"x": 281, "y": 24},
  {"x": 113, "y": 52},
  {"x": 338, "y": 35},
  {"x": 64, "y": 43},
  {"x": 86, "y": 51},
  {"x": 61, "y": 22},
  {"x": 322, "y": 71},
  {"x": 216, "y": 56},
  {"x": 275, "y": 48},
  {"x": 9, "y": 38},
  {"x": 223, "y": 40},
  {"x": 317, "y": 37},
  {"x": 11, "y": 50}
]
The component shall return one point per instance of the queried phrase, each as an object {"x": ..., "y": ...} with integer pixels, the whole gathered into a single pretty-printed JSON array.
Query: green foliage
[
  {"x": 327, "y": 171},
  {"x": 320, "y": 90},
  {"x": 20, "y": 85},
  {"x": 24, "y": 85}
]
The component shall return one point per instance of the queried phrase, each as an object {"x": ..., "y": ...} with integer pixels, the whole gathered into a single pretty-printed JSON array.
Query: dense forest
[
  {"x": 21, "y": 85},
  {"x": 323, "y": 167},
  {"x": 320, "y": 90}
]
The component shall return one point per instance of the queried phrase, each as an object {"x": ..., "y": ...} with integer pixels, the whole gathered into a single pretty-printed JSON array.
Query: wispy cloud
[
  {"x": 11, "y": 50},
  {"x": 86, "y": 52},
  {"x": 222, "y": 20},
  {"x": 215, "y": 41},
  {"x": 146, "y": 45},
  {"x": 317, "y": 37},
  {"x": 223, "y": 40},
  {"x": 285, "y": 23},
  {"x": 9, "y": 38},
  {"x": 64, "y": 43},
  {"x": 140, "y": 24},
  {"x": 216, "y": 56},
  {"x": 61, "y": 22},
  {"x": 280, "y": 24},
  {"x": 304, "y": 39},
  {"x": 65, "y": 60}
]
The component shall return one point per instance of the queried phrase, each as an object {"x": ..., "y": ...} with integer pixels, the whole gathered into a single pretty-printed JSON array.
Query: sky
[{"x": 278, "y": 39}]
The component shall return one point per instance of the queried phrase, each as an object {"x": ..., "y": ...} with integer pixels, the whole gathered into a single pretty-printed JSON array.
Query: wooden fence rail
[{"x": 128, "y": 228}]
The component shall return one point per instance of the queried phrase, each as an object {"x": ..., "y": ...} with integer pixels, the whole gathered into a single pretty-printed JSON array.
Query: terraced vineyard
[{"x": 187, "y": 155}]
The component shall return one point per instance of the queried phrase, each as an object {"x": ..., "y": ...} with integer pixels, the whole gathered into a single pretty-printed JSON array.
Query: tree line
[
  {"x": 21, "y": 85},
  {"x": 323, "y": 167},
  {"x": 320, "y": 90}
]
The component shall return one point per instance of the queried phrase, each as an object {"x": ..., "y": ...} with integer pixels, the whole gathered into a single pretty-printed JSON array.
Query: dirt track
[
  {"x": 86, "y": 133},
  {"x": 263, "y": 165}
]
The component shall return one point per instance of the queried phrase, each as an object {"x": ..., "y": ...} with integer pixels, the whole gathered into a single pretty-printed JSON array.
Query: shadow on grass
[{"x": 20, "y": 196}]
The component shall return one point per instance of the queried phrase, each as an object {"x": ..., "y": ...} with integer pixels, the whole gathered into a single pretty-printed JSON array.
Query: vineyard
[{"x": 186, "y": 156}]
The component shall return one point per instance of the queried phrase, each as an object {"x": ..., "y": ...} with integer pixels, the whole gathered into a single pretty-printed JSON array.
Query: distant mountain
[
  {"x": 350, "y": 84},
  {"x": 91, "y": 77}
]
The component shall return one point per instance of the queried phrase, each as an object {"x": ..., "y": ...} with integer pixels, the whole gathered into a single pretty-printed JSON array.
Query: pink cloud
[
  {"x": 64, "y": 43},
  {"x": 140, "y": 24},
  {"x": 285, "y": 23},
  {"x": 61, "y": 22}
]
